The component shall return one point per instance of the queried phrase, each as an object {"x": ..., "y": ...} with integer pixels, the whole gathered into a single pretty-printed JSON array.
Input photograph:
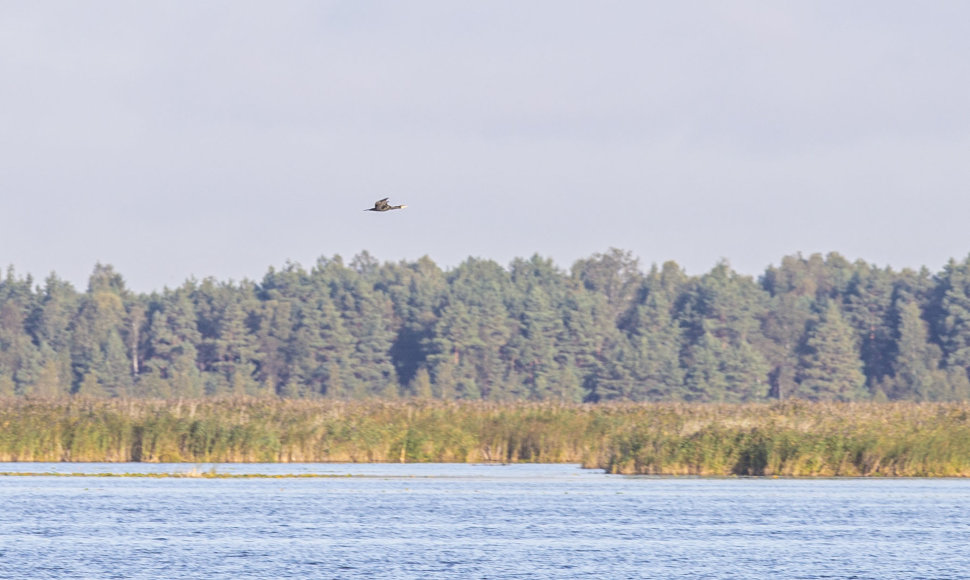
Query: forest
[{"x": 819, "y": 328}]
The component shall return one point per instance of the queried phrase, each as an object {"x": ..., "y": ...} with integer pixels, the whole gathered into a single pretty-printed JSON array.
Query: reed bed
[{"x": 780, "y": 439}]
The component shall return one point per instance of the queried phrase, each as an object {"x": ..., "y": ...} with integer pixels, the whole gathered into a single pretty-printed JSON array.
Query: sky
[{"x": 187, "y": 139}]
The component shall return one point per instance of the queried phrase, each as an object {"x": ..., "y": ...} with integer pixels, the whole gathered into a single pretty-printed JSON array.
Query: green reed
[{"x": 781, "y": 439}]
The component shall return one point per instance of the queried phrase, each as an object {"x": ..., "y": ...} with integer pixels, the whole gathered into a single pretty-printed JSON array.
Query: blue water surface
[{"x": 473, "y": 521}]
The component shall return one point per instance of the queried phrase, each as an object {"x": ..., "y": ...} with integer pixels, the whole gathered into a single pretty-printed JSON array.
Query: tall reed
[{"x": 785, "y": 439}]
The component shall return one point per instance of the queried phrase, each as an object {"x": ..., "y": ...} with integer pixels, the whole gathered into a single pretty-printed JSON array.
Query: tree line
[{"x": 818, "y": 328}]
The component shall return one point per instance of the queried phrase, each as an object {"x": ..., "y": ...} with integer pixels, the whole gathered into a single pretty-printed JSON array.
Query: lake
[{"x": 473, "y": 521}]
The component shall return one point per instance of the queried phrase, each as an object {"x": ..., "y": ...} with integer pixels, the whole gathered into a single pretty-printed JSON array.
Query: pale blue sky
[{"x": 186, "y": 138}]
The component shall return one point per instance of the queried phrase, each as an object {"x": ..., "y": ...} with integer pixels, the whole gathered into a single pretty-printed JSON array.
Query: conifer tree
[
  {"x": 113, "y": 367},
  {"x": 721, "y": 314},
  {"x": 451, "y": 371},
  {"x": 830, "y": 368},
  {"x": 614, "y": 274},
  {"x": 172, "y": 348},
  {"x": 468, "y": 356},
  {"x": 51, "y": 321},
  {"x": 227, "y": 349},
  {"x": 19, "y": 357},
  {"x": 590, "y": 337},
  {"x": 656, "y": 341},
  {"x": 950, "y": 314},
  {"x": 601, "y": 331},
  {"x": 273, "y": 333},
  {"x": 867, "y": 304},
  {"x": 916, "y": 367},
  {"x": 97, "y": 346},
  {"x": 417, "y": 293},
  {"x": 538, "y": 365},
  {"x": 373, "y": 339}
]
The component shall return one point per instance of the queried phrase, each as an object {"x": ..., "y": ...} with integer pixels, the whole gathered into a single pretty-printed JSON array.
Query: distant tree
[
  {"x": 468, "y": 357},
  {"x": 372, "y": 365},
  {"x": 916, "y": 368},
  {"x": 227, "y": 349},
  {"x": 19, "y": 358},
  {"x": 721, "y": 315},
  {"x": 601, "y": 331},
  {"x": 650, "y": 355},
  {"x": 172, "y": 363},
  {"x": 50, "y": 322},
  {"x": 416, "y": 291},
  {"x": 784, "y": 325},
  {"x": 538, "y": 365},
  {"x": 949, "y": 312},
  {"x": 367, "y": 315},
  {"x": 867, "y": 305},
  {"x": 113, "y": 368},
  {"x": 615, "y": 274},
  {"x": 799, "y": 287},
  {"x": 830, "y": 368},
  {"x": 588, "y": 344},
  {"x": 97, "y": 328},
  {"x": 455, "y": 336}
]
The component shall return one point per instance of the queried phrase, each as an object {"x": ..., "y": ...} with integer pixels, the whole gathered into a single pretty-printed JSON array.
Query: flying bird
[{"x": 382, "y": 205}]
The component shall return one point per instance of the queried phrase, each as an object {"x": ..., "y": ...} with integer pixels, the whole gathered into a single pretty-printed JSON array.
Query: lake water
[{"x": 474, "y": 521}]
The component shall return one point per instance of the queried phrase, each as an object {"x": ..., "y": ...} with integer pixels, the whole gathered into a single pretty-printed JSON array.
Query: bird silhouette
[{"x": 382, "y": 205}]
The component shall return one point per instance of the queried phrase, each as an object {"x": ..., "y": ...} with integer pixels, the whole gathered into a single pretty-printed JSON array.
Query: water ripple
[{"x": 481, "y": 522}]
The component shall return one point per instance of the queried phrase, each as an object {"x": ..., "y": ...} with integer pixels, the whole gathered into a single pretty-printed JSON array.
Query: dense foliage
[
  {"x": 817, "y": 328},
  {"x": 789, "y": 438}
]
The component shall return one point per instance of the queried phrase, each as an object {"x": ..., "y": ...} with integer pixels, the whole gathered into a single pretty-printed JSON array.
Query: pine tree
[
  {"x": 227, "y": 350},
  {"x": 371, "y": 358},
  {"x": 536, "y": 365},
  {"x": 275, "y": 327},
  {"x": 51, "y": 321},
  {"x": 468, "y": 354},
  {"x": 720, "y": 371},
  {"x": 795, "y": 287},
  {"x": 97, "y": 328},
  {"x": 333, "y": 351},
  {"x": 721, "y": 314},
  {"x": 19, "y": 357},
  {"x": 784, "y": 325},
  {"x": 113, "y": 367},
  {"x": 454, "y": 335},
  {"x": 915, "y": 369},
  {"x": 704, "y": 380},
  {"x": 867, "y": 304},
  {"x": 172, "y": 348},
  {"x": 949, "y": 312},
  {"x": 590, "y": 338},
  {"x": 614, "y": 274},
  {"x": 656, "y": 341},
  {"x": 416, "y": 292},
  {"x": 830, "y": 368}
]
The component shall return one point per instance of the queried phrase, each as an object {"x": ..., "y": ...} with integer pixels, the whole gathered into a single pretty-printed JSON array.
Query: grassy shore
[{"x": 785, "y": 439}]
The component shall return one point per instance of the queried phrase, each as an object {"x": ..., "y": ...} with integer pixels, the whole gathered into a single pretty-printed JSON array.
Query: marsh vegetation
[{"x": 795, "y": 438}]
